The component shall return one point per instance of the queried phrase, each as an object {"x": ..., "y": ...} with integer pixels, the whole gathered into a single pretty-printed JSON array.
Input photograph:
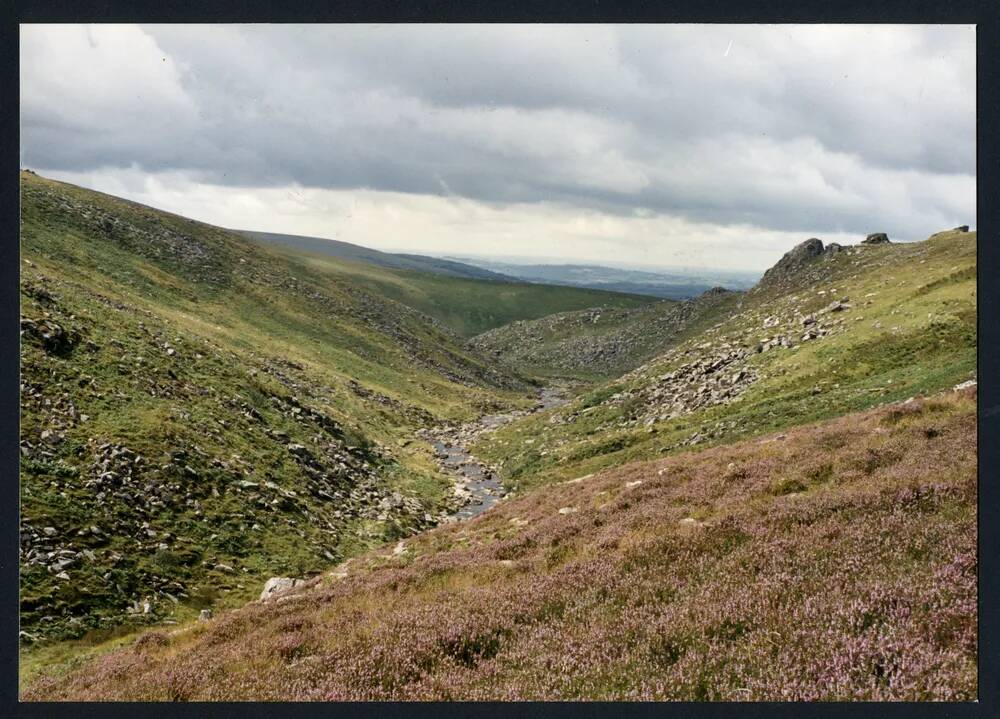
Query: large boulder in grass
[
  {"x": 876, "y": 238},
  {"x": 278, "y": 585}
]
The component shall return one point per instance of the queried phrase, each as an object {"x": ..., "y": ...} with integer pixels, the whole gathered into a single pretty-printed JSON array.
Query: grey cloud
[{"x": 838, "y": 129}]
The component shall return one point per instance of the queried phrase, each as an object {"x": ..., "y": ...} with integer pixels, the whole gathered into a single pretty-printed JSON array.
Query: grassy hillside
[
  {"x": 357, "y": 253},
  {"x": 826, "y": 335},
  {"x": 601, "y": 344},
  {"x": 198, "y": 414},
  {"x": 835, "y": 561},
  {"x": 466, "y": 306}
]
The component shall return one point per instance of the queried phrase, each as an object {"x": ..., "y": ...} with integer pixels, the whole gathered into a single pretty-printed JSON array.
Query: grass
[
  {"x": 196, "y": 350},
  {"x": 466, "y": 306},
  {"x": 273, "y": 397},
  {"x": 917, "y": 336},
  {"x": 599, "y": 346},
  {"x": 685, "y": 578}
]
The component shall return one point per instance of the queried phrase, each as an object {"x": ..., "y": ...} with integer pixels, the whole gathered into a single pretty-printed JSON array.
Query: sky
[{"x": 652, "y": 145}]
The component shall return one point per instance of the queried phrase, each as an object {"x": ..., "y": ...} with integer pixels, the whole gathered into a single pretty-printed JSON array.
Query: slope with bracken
[
  {"x": 833, "y": 561},
  {"x": 198, "y": 413},
  {"x": 824, "y": 333}
]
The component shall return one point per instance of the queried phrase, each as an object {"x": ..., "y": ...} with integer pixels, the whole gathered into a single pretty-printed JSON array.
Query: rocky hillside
[
  {"x": 825, "y": 332},
  {"x": 599, "y": 343},
  {"x": 198, "y": 414},
  {"x": 835, "y": 561}
]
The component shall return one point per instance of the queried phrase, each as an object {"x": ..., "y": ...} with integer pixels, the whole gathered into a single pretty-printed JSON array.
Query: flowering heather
[{"x": 834, "y": 562}]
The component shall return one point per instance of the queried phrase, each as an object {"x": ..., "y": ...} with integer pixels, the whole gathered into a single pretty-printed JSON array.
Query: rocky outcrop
[
  {"x": 798, "y": 255},
  {"x": 876, "y": 238},
  {"x": 786, "y": 270},
  {"x": 278, "y": 585}
]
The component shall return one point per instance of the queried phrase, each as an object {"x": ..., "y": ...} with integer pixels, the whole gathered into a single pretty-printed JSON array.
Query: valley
[{"x": 484, "y": 488}]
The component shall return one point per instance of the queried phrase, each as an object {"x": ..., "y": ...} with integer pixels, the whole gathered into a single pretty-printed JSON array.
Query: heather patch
[{"x": 685, "y": 578}]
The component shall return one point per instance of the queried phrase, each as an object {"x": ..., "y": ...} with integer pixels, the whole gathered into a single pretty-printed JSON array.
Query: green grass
[
  {"x": 593, "y": 347},
  {"x": 918, "y": 336},
  {"x": 248, "y": 332},
  {"x": 468, "y": 307},
  {"x": 269, "y": 348}
]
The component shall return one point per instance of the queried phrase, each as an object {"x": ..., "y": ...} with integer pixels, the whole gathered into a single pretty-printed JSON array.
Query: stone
[
  {"x": 277, "y": 585},
  {"x": 962, "y": 228},
  {"x": 567, "y": 510},
  {"x": 876, "y": 238},
  {"x": 204, "y": 615},
  {"x": 50, "y": 531}
]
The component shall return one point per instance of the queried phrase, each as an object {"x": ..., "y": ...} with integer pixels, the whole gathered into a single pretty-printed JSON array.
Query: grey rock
[
  {"x": 278, "y": 585},
  {"x": 876, "y": 238}
]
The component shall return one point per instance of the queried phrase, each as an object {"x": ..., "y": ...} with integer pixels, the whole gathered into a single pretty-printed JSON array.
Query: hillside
[
  {"x": 357, "y": 253},
  {"x": 780, "y": 482},
  {"x": 598, "y": 344},
  {"x": 466, "y": 306},
  {"x": 198, "y": 414},
  {"x": 759, "y": 571},
  {"x": 823, "y": 334}
]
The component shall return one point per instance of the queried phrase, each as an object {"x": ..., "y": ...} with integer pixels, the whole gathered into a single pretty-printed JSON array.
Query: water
[{"x": 483, "y": 485}]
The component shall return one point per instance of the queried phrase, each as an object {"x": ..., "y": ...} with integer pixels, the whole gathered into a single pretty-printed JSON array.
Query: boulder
[
  {"x": 278, "y": 585},
  {"x": 962, "y": 228},
  {"x": 876, "y": 238}
]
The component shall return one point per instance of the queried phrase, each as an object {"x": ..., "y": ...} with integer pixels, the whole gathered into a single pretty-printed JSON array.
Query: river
[{"x": 476, "y": 484}]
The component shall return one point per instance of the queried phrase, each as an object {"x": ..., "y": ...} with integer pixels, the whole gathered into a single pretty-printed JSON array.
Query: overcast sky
[{"x": 697, "y": 145}]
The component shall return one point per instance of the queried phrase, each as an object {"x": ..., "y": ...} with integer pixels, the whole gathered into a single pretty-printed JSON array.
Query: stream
[{"x": 476, "y": 485}]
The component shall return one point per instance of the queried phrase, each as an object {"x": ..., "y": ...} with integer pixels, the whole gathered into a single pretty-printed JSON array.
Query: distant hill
[
  {"x": 467, "y": 306},
  {"x": 348, "y": 251},
  {"x": 678, "y": 284},
  {"x": 596, "y": 343}
]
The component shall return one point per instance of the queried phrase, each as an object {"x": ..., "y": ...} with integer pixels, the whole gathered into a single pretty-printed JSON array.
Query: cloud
[
  {"x": 453, "y": 225},
  {"x": 782, "y": 129}
]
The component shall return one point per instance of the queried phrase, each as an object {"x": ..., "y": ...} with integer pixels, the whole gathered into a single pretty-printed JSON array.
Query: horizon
[{"x": 661, "y": 146}]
